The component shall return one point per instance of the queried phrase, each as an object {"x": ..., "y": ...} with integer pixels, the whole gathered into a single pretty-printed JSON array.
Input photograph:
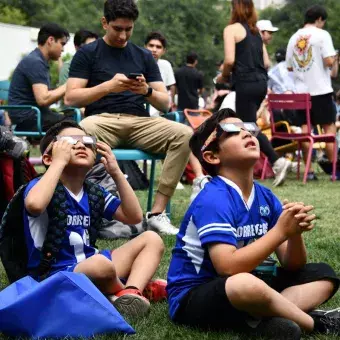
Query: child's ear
[
  {"x": 47, "y": 159},
  {"x": 211, "y": 157}
]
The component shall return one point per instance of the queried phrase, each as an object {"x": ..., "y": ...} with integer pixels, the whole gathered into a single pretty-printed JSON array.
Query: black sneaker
[
  {"x": 326, "y": 321},
  {"x": 277, "y": 328}
]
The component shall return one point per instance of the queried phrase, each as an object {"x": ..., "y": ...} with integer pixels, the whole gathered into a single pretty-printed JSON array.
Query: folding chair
[
  {"x": 300, "y": 102},
  {"x": 196, "y": 117}
]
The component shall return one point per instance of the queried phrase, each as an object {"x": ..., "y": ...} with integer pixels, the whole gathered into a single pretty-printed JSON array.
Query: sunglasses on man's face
[
  {"x": 231, "y": 129},
  {"x": 88, "y": 141}
]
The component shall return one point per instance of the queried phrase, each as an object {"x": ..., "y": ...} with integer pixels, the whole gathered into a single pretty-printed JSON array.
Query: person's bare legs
[
  {"x": 101, "y": 272},
  {"x": 304, "y": 296},
  {"x": 250, "y": 294},
  {"x": 138, "y": 259},
  {"x": 329, "y": 129},
  {"x": 160, "y": 203}
]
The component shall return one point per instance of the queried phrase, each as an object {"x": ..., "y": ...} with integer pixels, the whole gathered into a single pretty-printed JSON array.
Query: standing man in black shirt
[
  {"x": 115, "y": 79},
  {"x": 189, "y": 83}
]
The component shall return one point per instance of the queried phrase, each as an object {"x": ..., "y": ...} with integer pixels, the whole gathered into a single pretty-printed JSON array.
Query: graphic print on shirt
[{"x": 303, "y": 53}]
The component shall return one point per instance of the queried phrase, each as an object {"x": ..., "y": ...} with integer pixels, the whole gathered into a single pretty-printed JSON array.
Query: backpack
[{"x": 13, "y": 251}]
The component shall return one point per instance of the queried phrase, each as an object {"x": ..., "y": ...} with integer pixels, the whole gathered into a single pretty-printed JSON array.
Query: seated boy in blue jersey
[
  {"x": 212, "y": 280},
  {"x": 68, "y": 155}
]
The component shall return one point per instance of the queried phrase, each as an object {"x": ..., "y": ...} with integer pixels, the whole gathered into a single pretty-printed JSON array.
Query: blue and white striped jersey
[
  {"x": 76, "y": 244},
  {"x": 219, "y": 214}
]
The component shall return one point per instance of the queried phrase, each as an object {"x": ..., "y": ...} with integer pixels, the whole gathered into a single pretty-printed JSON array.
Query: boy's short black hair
[
  {"x": 201, "y": 135},
  {"x": 55, "y": 130},
  {"x": 192, "y": 57},
  {"x": 280, "y": 55},
  {"x": 315, "y": 12},
  {"x": 82, "y": 35},
  {"x": 156, "y": 36},
  {"x": 51, "y": 30},
  {"x": 115, "y": 9}
]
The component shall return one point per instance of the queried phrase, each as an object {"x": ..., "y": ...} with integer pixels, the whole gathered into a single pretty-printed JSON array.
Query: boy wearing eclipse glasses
[
  {"x": 63, "y": 199},
  {"x": 221, "y": 275}
]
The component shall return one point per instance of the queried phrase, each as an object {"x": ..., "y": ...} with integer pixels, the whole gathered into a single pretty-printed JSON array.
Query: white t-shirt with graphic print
[{"x": 306, "y": 51}]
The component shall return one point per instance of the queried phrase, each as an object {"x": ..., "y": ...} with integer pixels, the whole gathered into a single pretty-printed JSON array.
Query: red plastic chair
[
  {"x": 299, "y": 102},
  {"x": 196, "y": 117}
]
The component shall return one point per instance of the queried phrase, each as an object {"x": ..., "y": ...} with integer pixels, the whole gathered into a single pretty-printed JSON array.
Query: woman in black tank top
[{"x": 249, "y": 75}]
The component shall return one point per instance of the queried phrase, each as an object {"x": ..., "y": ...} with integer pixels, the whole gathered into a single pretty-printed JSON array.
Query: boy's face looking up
[
  {"x": 82, "y": 154},
  {"x": 236, "y": 150},
  {"x": 156, "y": 48}
]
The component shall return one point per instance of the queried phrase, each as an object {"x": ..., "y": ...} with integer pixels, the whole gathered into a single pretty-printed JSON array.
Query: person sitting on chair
[{"x": 30, "y": 84}]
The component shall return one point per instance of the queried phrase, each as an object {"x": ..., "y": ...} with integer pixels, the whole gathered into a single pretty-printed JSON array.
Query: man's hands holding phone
[
  {"x": 134, "y": 82},
  {"x": 295, "y": 218}
]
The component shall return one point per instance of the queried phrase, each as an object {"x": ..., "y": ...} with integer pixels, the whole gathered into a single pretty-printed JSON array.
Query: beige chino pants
[{"x": 151, "y": 134}]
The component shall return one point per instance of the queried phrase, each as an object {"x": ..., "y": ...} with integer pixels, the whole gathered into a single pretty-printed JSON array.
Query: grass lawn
[{"x": 322, "y": 243}]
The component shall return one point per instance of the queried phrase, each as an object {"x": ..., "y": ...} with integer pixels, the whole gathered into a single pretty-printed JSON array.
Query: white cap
[{"x": 266, "y": 25}]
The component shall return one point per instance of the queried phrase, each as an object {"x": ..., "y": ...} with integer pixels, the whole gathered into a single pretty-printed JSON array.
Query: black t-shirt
[
  {"x": 188, "y": 81},
  {"x": 98, "y": 62},
  {"x": 32, "y": 69}
]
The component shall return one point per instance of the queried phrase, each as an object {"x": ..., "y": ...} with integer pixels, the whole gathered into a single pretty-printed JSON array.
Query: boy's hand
[
  {"x": 305, "y": 219},
  {"x": 61, "y": 152},
  {"x": 295, "y": 219},
  {"x": 108, "y": 159}
]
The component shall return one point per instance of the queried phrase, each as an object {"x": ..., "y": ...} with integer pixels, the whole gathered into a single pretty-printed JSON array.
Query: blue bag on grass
[{"x": 65, "y": 304}]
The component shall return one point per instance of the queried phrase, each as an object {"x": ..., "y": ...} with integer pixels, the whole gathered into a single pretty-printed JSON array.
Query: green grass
[{"x": 322, "y": 244}]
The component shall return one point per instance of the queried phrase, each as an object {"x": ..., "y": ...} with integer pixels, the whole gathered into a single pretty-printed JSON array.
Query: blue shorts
[{"x": 105, "y": 252}]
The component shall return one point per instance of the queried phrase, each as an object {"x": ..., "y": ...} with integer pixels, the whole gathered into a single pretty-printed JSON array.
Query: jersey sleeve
[
  {"x": 152, "y": 71},
  {"x": 111, "y": 205},
  {"x": 215, "y": 221},
  {"x": 81, "y": 64},
  {"x": 327, "y": 47},
  {"x": 37, "y": 73}
]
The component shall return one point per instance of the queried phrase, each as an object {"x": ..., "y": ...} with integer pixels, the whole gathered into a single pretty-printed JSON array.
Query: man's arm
[
  {"x": 335, "y": 67},
  {"x": 77, "y": 94},
  {"x": 46, "y": 97},
  {"x": 159, "y": 98}
]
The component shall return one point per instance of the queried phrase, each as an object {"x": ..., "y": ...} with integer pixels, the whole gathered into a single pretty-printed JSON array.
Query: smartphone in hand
[{"x": 134, "y": 75}]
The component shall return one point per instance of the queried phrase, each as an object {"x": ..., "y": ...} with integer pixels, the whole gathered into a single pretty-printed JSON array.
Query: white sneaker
[
  {"x": 179, "y": 186},
  {"x": 161, "y": 224},
  {"x": 197, "y": 185},
  {"x": 280, "y": 168}
]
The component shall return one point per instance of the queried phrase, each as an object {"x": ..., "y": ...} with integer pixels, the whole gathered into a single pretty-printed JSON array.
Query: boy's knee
[
  {"x": 153, "y": 240},
  {"x": 105, "y": 268},
  {"x": 245, "y": 287}
]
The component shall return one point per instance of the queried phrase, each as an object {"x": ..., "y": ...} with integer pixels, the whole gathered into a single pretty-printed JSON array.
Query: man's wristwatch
[{"x": 149, "y": 93}]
